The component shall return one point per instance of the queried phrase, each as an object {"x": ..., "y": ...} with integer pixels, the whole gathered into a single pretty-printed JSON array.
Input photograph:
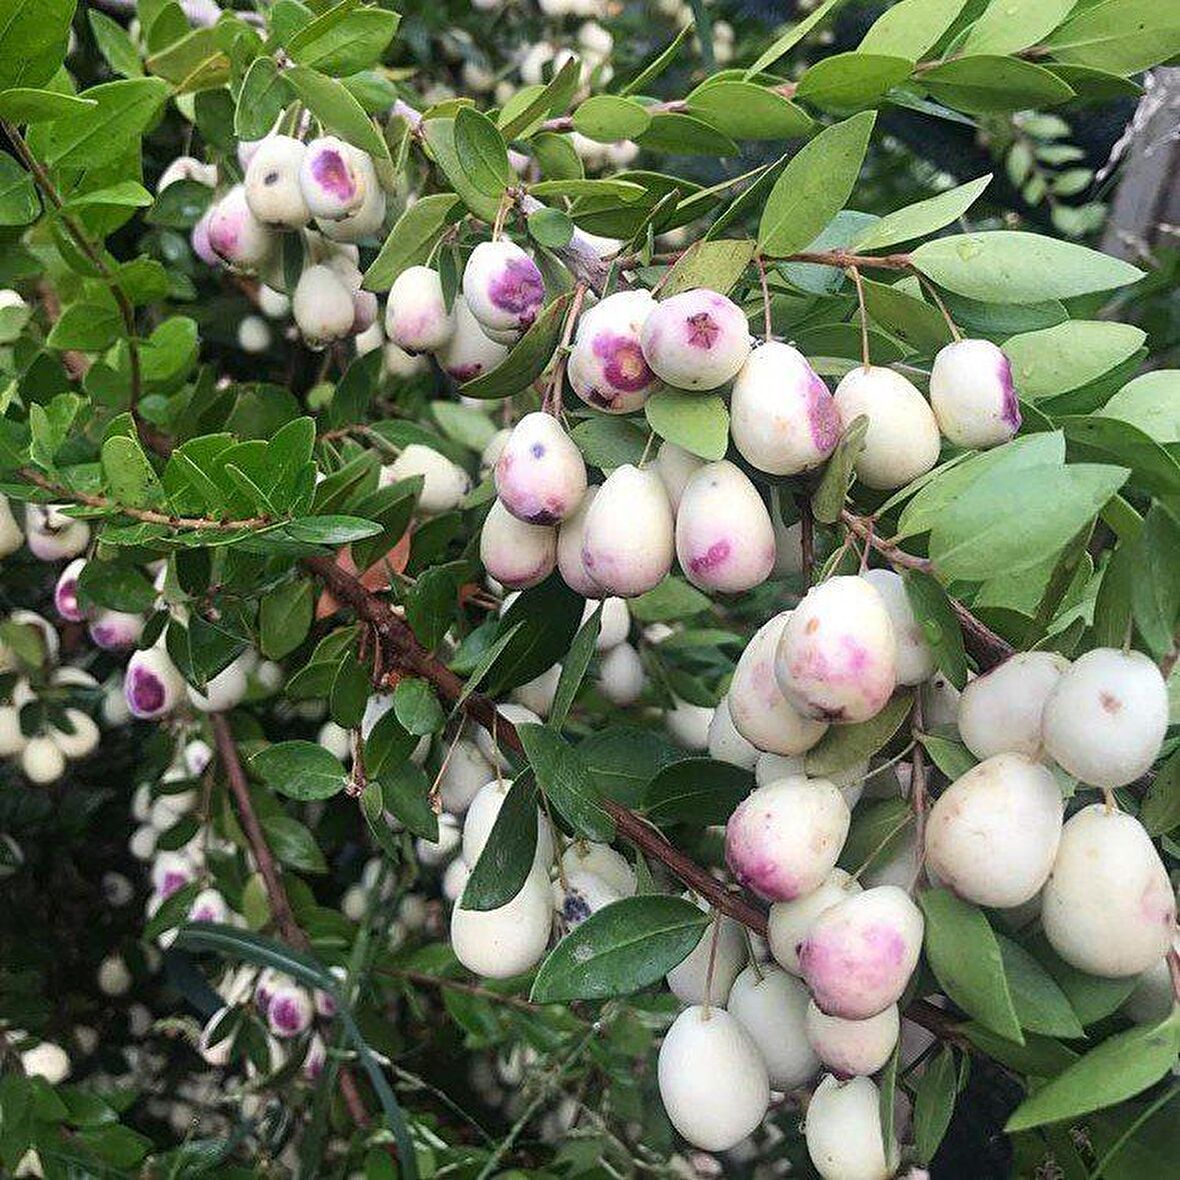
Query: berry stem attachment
[
  {"x": 864, "y": 317},
  {"x": 768, "y": 330},
  {"x": 932, "y": 290}
]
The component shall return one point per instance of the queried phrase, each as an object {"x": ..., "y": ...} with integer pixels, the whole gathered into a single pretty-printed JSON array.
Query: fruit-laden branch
[
  {"x": 402, "y": 650},
  {"x": 276, "y": 892}
]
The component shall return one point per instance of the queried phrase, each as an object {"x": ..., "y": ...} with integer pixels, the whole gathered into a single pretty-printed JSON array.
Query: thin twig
[
  {"x": 864, "y": 317},
  {"x": 146, "y": 515}
]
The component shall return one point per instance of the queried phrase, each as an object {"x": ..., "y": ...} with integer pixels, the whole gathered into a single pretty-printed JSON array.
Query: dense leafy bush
[{"x": 574, "y": 607}]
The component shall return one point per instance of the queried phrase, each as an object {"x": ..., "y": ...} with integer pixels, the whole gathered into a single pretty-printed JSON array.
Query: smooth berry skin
[
  {"x": 235, "y": 235},
  {"x": 470, "y": 352},
  {"x": 858, "y": 955},
  {"x": 607, "y": 368},
  {"x": 152, "y": 684},
  {"x": 783, "y": 418},
  {"x": 504, "y": 942},
  {"x": 51, "y": 535},
  {"x": 724, "y": 536},
  {"x": 913, "y": 659},
  {"x": 628, "y": 541},
  {"x": 902, "y": 441},
  {"x": 1108, "y": 907},
  {"x": 843, "y": 1131},
  {"x": 570, "y": 536},
  {"x": 323, "y": 307},
  {"x": 697, "y": 340},
  {"x": 973, "y": 395},
  {"x": 65, "y": 593},
  {"x": 713, "y": 1082},
  {"x": 836, "y": 659},
  {"x": 503, "y": 287},
  {"x": 333, "y": 178},
  {"x": 272, "y": 184},
  {"x": 757, "y": 706},
  {"x": 992, "y": 835},
  {"x": 1106, "y": 718},
  {"x": 783, "y": 839},
  {"x": 1000, "y": 712},
  {"x": 515, "y": 553},
  {"x": 416, "y": 315},
  {"x": 540, "y": 474},
  {"x": 771, "y": 1005},
  {"x": 444, "y": 483}
]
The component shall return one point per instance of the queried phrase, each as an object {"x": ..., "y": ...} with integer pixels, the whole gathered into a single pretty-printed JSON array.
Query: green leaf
[
  {"x": 573, "y": 668},
  {"x": 417, "y": 707},
  {"x": 1041, "y": 1006},
  {"x": 965, "y": 957},
  {"x": 127, "y": 194},
  {"x": 28, "y": 105},
  {"x": 996, "y": 527},
  {"x": 1155, "y": 592},
  {"x": 1009, "y": 266},
  {"x": 1007, "y": 26},
  {"x": 846, "y": 745},
  {"x": 88, "y": 327},
  {"x": 1121, "y": 36},
  {"x": 989, "y": 84},
  {"x": 911, "y": 27},
  {"x": 851, "y": 81},
  {"x": 1151, "y": 402},
  {"x": 793, "y": 36},
  {"x": 244, "y": 946},
  {"x": 262, "y": 98},
  {"x": 940, "y": 625},
  {"x": 608, "y": 118},
  {"x": 1066, "y": 356},
  {"x": 19, "y": 203},
  {"x": 405, "y": 791},
  {"x": 697, "y": 422},
  {"x": 745, "y": 111},
  {"x": 123, "y": 110},
  {"x": 658, "y": 64},
  {"x": 951, "y": 757},
  {"x": 672, "y": 599},
  {"x": 293, "y": 844},
  {"x": 1118, "y": 1069},
  {"x": 510, "y": 852},
  {"x": 1161, "y": 805},
  {"x": 686, "y": 135},
  {"x": 116, "y": 586},
  {"x": 814, "y": 186},
  {"x": 439, "y": 134},
  {"x": 529, "y": 357},
  {"x": 828, "y": 499},
  {"x": 621, "y": 948},
  {"x": 607, "y": 440},
  {"x": 934, "y": 1103},
  {"x": 924, "y": 217},
  {"x": 565, "y": 779},
  {"x": 332, "y": 103},
  {"x": 531, "y": 104},
  {"x": 302, "y": 770},
  {"x": 130, "y": 478},
  {"x": 699, "y": 791},
  {"x": 717, "y": 264},
  {"x": 330, "y": 530},
  {"x": 551, "y": 228},
  {"x": 344, "y": 42},
  {"x": 34, "y": 36},
  {"x": 115, "y": 45},
  {"x": 482, "y": 153}
]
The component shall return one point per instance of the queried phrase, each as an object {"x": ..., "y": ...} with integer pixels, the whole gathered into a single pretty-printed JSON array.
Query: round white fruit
[
  {"x": 1106, "y": 717},
  {"x": 851, "y": 1047},
  {"x": 698, "y": 339},
  {"x": 972, "y": 394},
  {"x": 628, "y": 541},
  {"x": 1108, "y": 907},
  {"x": 902, "y": 439},
  {"x": 771, "y": 1006},
  {"x": 504, "y": 942},
  {"x": 713, "y": 1082},
  {"x": 540, "y": 474},
  {"x": 913, "y": 658},
  {"x": 1001, "y": 711},
  {"x": 843, "y": 1131},
  {"x": 759, "y": 710},
  {"x": 993, "y": 833}
]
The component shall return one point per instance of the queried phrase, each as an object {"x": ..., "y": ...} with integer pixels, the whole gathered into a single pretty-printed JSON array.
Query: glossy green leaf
[
  {"x": 697, "y": 422},
  {"x": 563, "y": 776},
  {"x": 699, "y": 791},
  {"x": 302, "y": 770}
]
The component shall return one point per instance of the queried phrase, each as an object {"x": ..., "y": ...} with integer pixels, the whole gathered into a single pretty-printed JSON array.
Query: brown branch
[
  {"x": 404, "y": 651},
  {"x": 146, "y": 515},
  {"x": 844, "y": 259},
  {"x": 276, "y": 892},
  {"x": 987, "y": 648}
]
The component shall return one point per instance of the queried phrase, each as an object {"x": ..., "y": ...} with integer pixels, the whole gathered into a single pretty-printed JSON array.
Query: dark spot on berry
[{"x": 537, "y": 450}]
